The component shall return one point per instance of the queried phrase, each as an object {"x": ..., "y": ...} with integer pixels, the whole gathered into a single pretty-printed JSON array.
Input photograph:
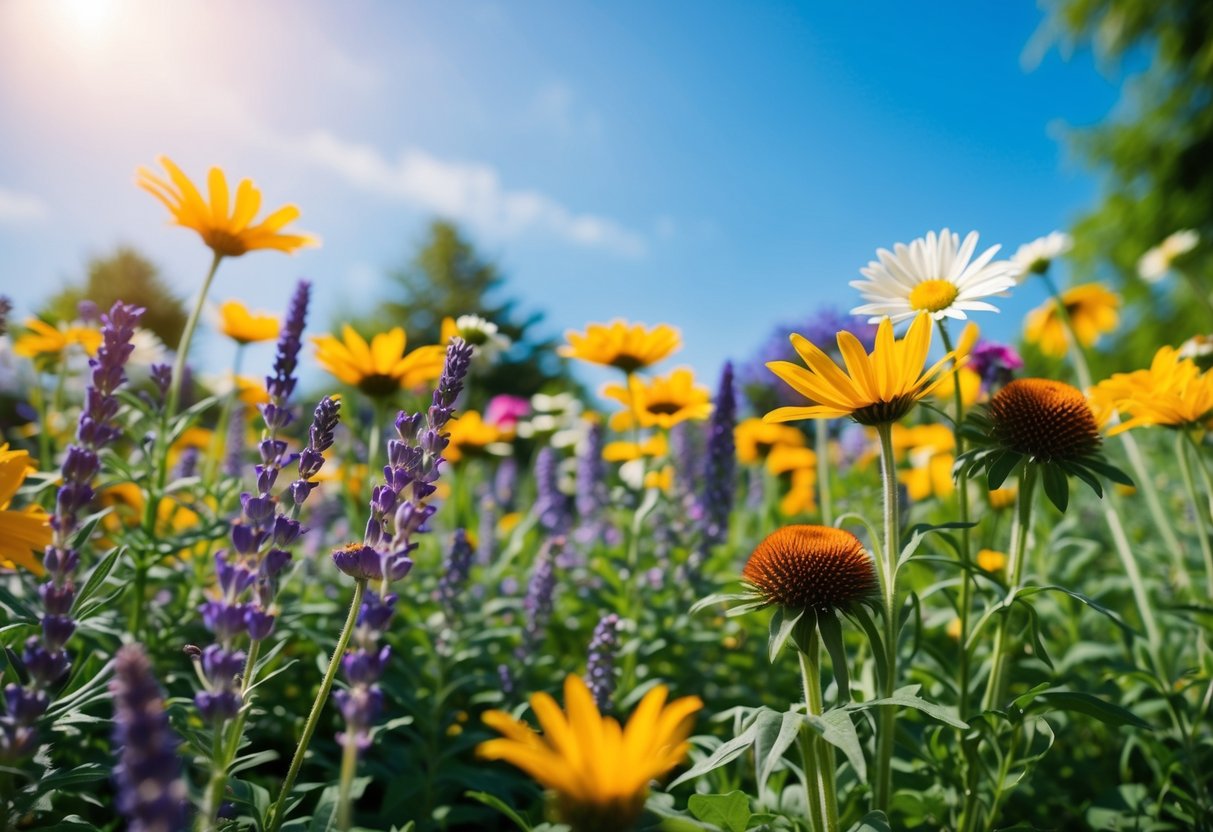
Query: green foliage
[{"x": 128, "y": 276}]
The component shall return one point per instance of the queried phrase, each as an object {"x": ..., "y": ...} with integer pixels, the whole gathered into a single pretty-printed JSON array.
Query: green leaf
[
  {"x": 838, "y": 730},
  {"x": 729, "y": 751},
  {"x": 872, "y": 822},
  {"x": 497, "y": 803},
  {"x": 1057, "y": 486},
  {"x": 863, "y": 617},
  {"x": 768, "y": 758},
  {"x": 730, "y": 812},
  {"x": 721, "y": 598},
  {"x": 781, "y": 629},
  {"x": 1084, "y": 703},
  {"x": 97, "y": 577},
  {"x": 1000, "y": 467},
  {"x": 831, "y": 636},
  {"x": 908, "y": 697}
]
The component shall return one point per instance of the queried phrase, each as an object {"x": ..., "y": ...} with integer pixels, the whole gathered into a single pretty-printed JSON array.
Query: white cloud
[
  {"x": 468, "y": 191},
  {"x": 18, "y": 207},
  {"x": 555, "y": 108}
]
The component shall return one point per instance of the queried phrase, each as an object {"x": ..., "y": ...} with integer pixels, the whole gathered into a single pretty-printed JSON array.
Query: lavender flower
[
  {"x": 720, "y": 467},
  {"x": 600, "y": 666},
  {"x": 233, "y": 463},
  {"x": 151, "y": 792},
  {"x": 46, "y": 659},
  {"x": 187, "y": 464},
  {"x": 505, "y": 482},
  {"x": 487, "y": 534},
  {"x": 686, "y": 451},
  {"x": 399, "y": 510},
  {"x": 551, "y": 504},
  {"x": 592, "y": 496},
  {"x": 456, "y": 567},
  {"x": 320, "y": 439},
  {"x": 539, "y": 601}
]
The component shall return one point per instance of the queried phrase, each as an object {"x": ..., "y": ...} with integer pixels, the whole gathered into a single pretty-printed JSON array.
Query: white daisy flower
[
  {"x": 1197, "y": 347},
  {"x": 482, "y": 334},
  {"x": 1036, "y": 257},
  {"x": 1157, "y": 262},
  {"x": 933, "y": 274}
]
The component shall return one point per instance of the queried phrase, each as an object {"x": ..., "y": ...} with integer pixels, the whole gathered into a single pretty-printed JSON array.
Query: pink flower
[{"x": 505, "y": 411}]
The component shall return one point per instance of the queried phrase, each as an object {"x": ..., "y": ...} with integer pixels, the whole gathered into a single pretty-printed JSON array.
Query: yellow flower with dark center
[
  {"x": 42, "y": 338},
  {"x": 226, "y": 228},
  {"x": 811, "y": 568},
  {"x": 598, "y": 770},
  {"x": 244, "y": 326},
  {"x": 1044, "y": 419},
  {"x": 22, "y": 531},
  {"x": 655, "y": 446},
  {"x": 1173, "y": 392},
  {"x": 876, "y": 388},
  {"x": 661, "y": 402},
  {"x": 662, "y": 478},
  {"x": 755, "y": 439},
  {"x": 379, "y": 368},
  {"x": 1092, "y": 310},
  {"x": 786, "y": 458},
  {"x": 620, "y": 344},
  {"x": 471, "y": 436}
]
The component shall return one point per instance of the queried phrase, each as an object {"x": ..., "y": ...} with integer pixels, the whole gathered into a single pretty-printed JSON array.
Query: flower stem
[
  {"x": 313, "y": 718},
  {"x": 964, "y": 603},
  {"x": 187, "y": 335},
  {"x": 887, "y": 723},
  {"x": 1200, "y": 512},
  {"x": 817, "y": 754},
  {"x": 349, "y": 767},
  {"x": 995, "y": 686},
  {"x": 825, "y": 498}
]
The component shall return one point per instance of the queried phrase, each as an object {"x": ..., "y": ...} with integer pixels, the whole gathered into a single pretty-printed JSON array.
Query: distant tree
[
  {"x": 447, "y": 277},
  {"x": 1155, "y": 152},
  {"x": 128, "y": 276}
]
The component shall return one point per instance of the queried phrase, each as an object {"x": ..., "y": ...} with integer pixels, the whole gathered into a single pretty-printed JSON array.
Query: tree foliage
[
  {"x": 128, "y": 276},
  {"x": 448, "y": 277},
  {"x": 1155, "y": 151}
]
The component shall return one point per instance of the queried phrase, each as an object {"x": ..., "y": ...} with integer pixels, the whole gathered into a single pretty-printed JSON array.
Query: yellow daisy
[
  {"x": 42, "y": 338},
  {"x": 1092, "y": 310},
  {"x": 1173, "y": 392},
  {"x": 877, "y": 388},
  {"x": 470, "y": 435},
  {"x": 227, "y": 229},
  {"x": 655, "y": 446},
  {"x": 244, "y": 326},
  {"x": 661, "y": 402},
  {"x": 755, "y": 439},
  {"x": 599, "y": 771},
  {"x": 379, "y": 368},
  {"x": 620, "y": 344},
  {"x": 22, "y": 531}
]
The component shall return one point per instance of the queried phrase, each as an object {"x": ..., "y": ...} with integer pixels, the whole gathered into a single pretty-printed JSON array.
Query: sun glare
[{"x": 88, "y": 17}]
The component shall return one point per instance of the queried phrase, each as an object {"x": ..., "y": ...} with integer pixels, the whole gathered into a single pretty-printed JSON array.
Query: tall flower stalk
[
  {"x": 890, "y": 606},
  {"x": 399, "y": 510}
]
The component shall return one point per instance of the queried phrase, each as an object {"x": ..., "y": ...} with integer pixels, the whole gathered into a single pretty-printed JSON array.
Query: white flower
[
  {"x": 1198, "y": 346},
  {"x": 483, "y": 335},
  {"x": 1036, "y": 257},
  {"x": 1155, "y": 263},
  {"x": 557, "y": 418},
  {"x": 933, "y": 274}
]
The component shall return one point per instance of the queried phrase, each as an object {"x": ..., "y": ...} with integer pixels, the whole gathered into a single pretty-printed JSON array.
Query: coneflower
[
  {"x": 152, "y": 796},
  {"x": 817, "y": 568}
]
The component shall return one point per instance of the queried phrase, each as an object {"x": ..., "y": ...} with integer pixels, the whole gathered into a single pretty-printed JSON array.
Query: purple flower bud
[
  {"x": 275, "y": 561},
  {"x": 234, "y": 578},
  {"x": 600, "y": 667},
  {"x": 258, "y": 510},
  {"x": 245, "y": 540},
  {"x": 398, "y": 565},
  {"x": 365, "y": 668},
  {"x": 162, "y": 378},
  {"x": 376, "y": 613},
  {"x": 23, "y": 706},
  {"x": 225, "y": 620},
  {"x": 57, "y": 630},
  {"x": 260, "y": 624},
  {"x": 286, "y": 530},
  {"x": 57, "y": 600},
  {"x": 45, "y": 667},
  {"x": 217, "y": 706},
  {"x": 221, "y": 667}
]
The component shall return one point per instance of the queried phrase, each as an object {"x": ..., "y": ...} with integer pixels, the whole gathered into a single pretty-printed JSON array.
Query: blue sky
[{"x": 721, "y": 166}]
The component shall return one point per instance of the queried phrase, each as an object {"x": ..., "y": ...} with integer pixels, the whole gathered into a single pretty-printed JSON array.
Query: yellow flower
[
  {"x": 22, "y": 531},
  {"x": 933, "y": 437},
  {"x": 662, "y": 478},
  {"x": 380, "y": 368},
  {"x": 45, "y": 339},
  {"x": 251, "y": 391},
  {"x": 755, "y": 439},
  {"x": 620, "y": 344},
  {"x": 1002, "y": 498},
  {"x": 599, "y": 771},
  {"x": 785, "y": 458},
  {"x": 1092, "y": 310},
  {"x": 970, "y": 387},
  {"x": 661, "y": 402},
  {"x": 245, "y": 327},
  {"x": 876, "y": 389},
  {"x": 471, "y": 435},
  {"x": 953, "y": 629},
  {"x": 991, "y": 560},
  {"x": 228, "y": 233},
  {"x": 802, "y": 496},
  {"x": 1172, "y": 392},
  {"x": 931, "y": 474},
  {"x": 509, "y": 522},
  {"x": 655, "y": 446}
]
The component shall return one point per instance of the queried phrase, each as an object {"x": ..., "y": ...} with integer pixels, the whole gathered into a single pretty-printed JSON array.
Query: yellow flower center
[{"x": 933, "y": 295}]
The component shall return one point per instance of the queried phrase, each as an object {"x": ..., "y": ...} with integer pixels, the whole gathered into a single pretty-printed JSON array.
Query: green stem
[
  {"x": 887, "y": 722},
  {"x": 1141, "y": 597},
  {"x": 218, "y": 449},
  {"x": 375, "y": 439},
  {"x": 187, "y": 335},
  {"x": 1199, "y": 511},
  {"x": 824, "y": 495},
  {"x": 995, "y": 686},
  {"x": 817, "y": 754},
  {"x": 227, "y": 744},
  {"x": 349, "y": 767},
  {"x": 313, "y": 718},
  {"x": 964, "y": 603}
]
